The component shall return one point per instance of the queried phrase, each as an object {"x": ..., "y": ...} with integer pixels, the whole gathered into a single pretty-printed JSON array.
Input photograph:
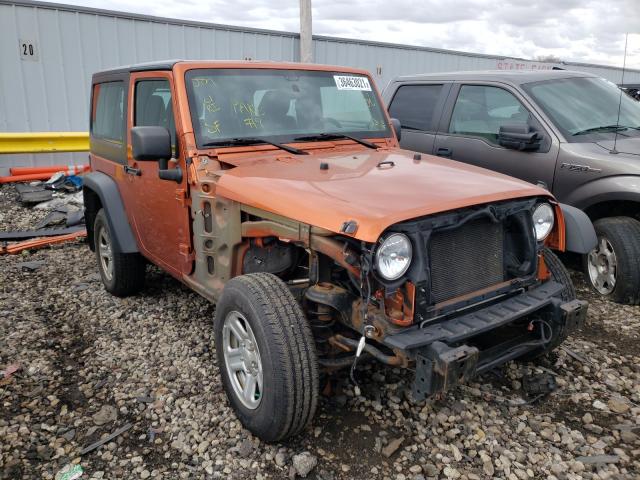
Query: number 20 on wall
[{"x": 28, "y": 50}]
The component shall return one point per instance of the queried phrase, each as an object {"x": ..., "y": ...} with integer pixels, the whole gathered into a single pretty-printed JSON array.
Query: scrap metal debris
[
  {"x": 106, "y": 439},
  {"x": 575, "y": 355},
  {"x": 56, "y": 217},
  {"x": 538, "y": 386},
  {"x": 43, "y": 232},
  {"x": 31, "y": 266},
  {"x": 31, "y": 194}
]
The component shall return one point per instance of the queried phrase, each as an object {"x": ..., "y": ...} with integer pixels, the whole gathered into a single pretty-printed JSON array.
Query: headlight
[
  {"x": 393, "y": 256},
  {"x": 543, "y": 218}
]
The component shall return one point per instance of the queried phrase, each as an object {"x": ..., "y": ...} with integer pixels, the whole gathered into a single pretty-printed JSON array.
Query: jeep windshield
[
  {"x": 235, "y": 106},
  {"x": 586, "y": 108}
]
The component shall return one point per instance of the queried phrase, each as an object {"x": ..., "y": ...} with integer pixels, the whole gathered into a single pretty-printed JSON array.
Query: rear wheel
[
  {"x": 122, "y": 273},
  {"x": 266, "y": 356},
  {"x": 612, "y": 267},
  {"x": 558, "y": 330}
]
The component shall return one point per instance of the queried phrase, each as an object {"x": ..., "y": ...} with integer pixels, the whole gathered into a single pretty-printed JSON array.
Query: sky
[{"x": 591, "y": 31}]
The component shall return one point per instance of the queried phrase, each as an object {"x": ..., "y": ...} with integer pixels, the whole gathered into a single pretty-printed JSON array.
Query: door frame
[
  {"x": 185, "y": 244},
  {"x": 447, "y": 113}
]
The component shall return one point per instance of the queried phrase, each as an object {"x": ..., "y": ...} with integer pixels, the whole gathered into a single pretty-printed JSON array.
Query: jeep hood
[{"x": 374, "y": 188}]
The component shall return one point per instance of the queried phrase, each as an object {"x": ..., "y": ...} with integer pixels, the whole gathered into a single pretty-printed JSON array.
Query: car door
[
  {"x": 418, "y": 107},
  {"x": 468, "y": 132},
  {"x": 157, "y": 209}
]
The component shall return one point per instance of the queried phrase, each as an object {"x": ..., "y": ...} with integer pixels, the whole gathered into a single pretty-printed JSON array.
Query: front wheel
[
  {"x": 266, "y": 355},
  {"x": 612, "y": 267}
]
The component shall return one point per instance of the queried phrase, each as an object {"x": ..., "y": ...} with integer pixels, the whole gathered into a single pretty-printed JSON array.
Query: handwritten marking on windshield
[
  {"x": 213, "y": 127},
  {"x": 210, "y": 104},
  {"x": 202, "y": 81}
]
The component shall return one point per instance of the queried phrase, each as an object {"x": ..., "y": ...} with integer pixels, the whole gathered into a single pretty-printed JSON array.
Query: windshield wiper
[
  {"x": 603, "y": 128},
  {"x": 334, "y": 136},
  {"x": 254, "y": 141}
]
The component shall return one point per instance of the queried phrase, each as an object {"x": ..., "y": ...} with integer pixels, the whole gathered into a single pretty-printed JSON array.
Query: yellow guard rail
[{"x": 43, "y": 142}]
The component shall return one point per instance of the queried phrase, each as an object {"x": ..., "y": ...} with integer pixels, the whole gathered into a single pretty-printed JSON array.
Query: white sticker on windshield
[{"x": 344, "y": 82}]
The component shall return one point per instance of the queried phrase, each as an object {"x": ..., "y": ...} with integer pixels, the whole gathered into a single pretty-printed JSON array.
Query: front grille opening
[
  {"x": 520, "y": 245},
  {"x": 466, "y": 259},
  {"x": 480, "y": 255}
]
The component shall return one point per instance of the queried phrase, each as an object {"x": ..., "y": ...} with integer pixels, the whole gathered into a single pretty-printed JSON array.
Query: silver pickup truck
[{"x": 572, "y": 132}]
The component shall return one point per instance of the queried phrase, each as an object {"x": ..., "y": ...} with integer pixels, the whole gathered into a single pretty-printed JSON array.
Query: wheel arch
[
  {"x": 615, "y": 207},
  {"x": 101, "y": 191}
]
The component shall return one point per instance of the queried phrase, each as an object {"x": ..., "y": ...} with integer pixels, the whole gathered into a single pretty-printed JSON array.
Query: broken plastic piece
[{"x": 69, "y": 472}]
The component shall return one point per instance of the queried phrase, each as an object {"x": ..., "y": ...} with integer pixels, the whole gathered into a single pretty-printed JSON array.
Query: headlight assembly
[
  {"x": 393, "y": 256},
  {"x": 543, "y": 219}
]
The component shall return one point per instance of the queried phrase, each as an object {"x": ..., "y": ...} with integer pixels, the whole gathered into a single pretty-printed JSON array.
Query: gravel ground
[{"x": 91, "y": 364}]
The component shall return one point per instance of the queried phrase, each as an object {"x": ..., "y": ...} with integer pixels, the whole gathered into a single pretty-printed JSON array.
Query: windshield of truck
[
  {"x": 281, "y": 105},
  {"x": 586, "y": 108}
]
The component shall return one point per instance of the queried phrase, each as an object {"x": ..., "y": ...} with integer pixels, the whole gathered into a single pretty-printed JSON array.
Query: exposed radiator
[{"x": 466, "y": 259}]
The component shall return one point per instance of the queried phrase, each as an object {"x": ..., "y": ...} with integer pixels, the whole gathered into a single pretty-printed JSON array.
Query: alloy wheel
[
  {"x": 602, "y": 266},
  {"x": 242, "y": 359},
  {"x": 105, "y": 251}
]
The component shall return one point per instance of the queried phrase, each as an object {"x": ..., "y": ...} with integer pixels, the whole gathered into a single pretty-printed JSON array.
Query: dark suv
[{"x": 570, "y": 131}]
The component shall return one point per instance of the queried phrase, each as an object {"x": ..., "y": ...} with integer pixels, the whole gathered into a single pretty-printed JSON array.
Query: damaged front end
[{"x": 476, "y": 294}]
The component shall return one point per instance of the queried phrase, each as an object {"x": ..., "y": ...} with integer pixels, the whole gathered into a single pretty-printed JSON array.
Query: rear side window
[
  {"x": 415, "y": 106},
  {"x": 108, "y": 117}
]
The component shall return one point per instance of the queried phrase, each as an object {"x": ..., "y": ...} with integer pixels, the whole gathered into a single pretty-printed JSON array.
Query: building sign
[
  {"x": 28, "y": 49},
  {"x": 522, "y": 65}
]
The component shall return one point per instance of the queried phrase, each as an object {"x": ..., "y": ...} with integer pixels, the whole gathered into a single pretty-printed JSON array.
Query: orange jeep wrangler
[{"x": 278, "y": 191}]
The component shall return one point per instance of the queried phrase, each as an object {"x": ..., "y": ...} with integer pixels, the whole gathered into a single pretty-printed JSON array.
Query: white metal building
[{"x": 49, "y": 51}]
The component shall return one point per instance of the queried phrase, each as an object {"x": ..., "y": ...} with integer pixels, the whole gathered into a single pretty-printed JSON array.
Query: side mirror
[
  {"x": 519, "y": 136},
  {"x": 395, "y": 123},
  {"x": 154, "y": 144}
]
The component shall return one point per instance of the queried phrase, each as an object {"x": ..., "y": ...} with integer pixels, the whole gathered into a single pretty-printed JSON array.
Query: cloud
[{"x": 574, "y": 30}]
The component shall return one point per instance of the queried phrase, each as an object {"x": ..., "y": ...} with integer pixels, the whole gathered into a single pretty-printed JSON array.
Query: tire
[
  {"x": 618, "y": 239},
  {"x": 122, "y": 273},
  {"x": 559, "y": 333},
  {"x": 285, "y": 400}
]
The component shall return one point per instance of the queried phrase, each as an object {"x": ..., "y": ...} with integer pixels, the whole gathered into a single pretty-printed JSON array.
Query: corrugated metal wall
[{"x": 49, "y": 52}]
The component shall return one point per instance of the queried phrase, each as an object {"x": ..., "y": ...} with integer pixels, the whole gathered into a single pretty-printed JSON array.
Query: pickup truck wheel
[
  {"x": 122, "y": 273},
  {"x": 612, "y": 267},
  {"x": 558, "y": 274},
  {"x": 266, "y": 355}
]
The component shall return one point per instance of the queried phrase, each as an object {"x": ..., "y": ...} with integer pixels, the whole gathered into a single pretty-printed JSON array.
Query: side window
[
  {"x": 108, "y": 116},
  {"x": 415, "y": 105},
  {"x": 481, "y": 110},
  {"x": 153, "y": 106}
]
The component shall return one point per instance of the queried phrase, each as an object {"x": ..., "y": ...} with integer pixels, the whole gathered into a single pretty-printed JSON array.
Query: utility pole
[{"x": 306, "y": 41}]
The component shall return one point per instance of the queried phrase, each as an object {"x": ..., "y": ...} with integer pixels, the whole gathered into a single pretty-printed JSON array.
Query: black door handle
[
  {"x": 132, "y": 171},
  {"x": 444, "y": 152}
]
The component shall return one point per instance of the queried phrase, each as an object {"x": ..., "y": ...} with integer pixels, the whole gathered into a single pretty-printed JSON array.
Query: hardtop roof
[{"x": 169, "y": 64}]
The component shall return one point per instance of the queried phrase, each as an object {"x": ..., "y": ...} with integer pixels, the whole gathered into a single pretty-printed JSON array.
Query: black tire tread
[
  {"x": 559, "y": 274},
  {"x": 129, "y": 269},
  {"x": 624, "y": 233}
]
